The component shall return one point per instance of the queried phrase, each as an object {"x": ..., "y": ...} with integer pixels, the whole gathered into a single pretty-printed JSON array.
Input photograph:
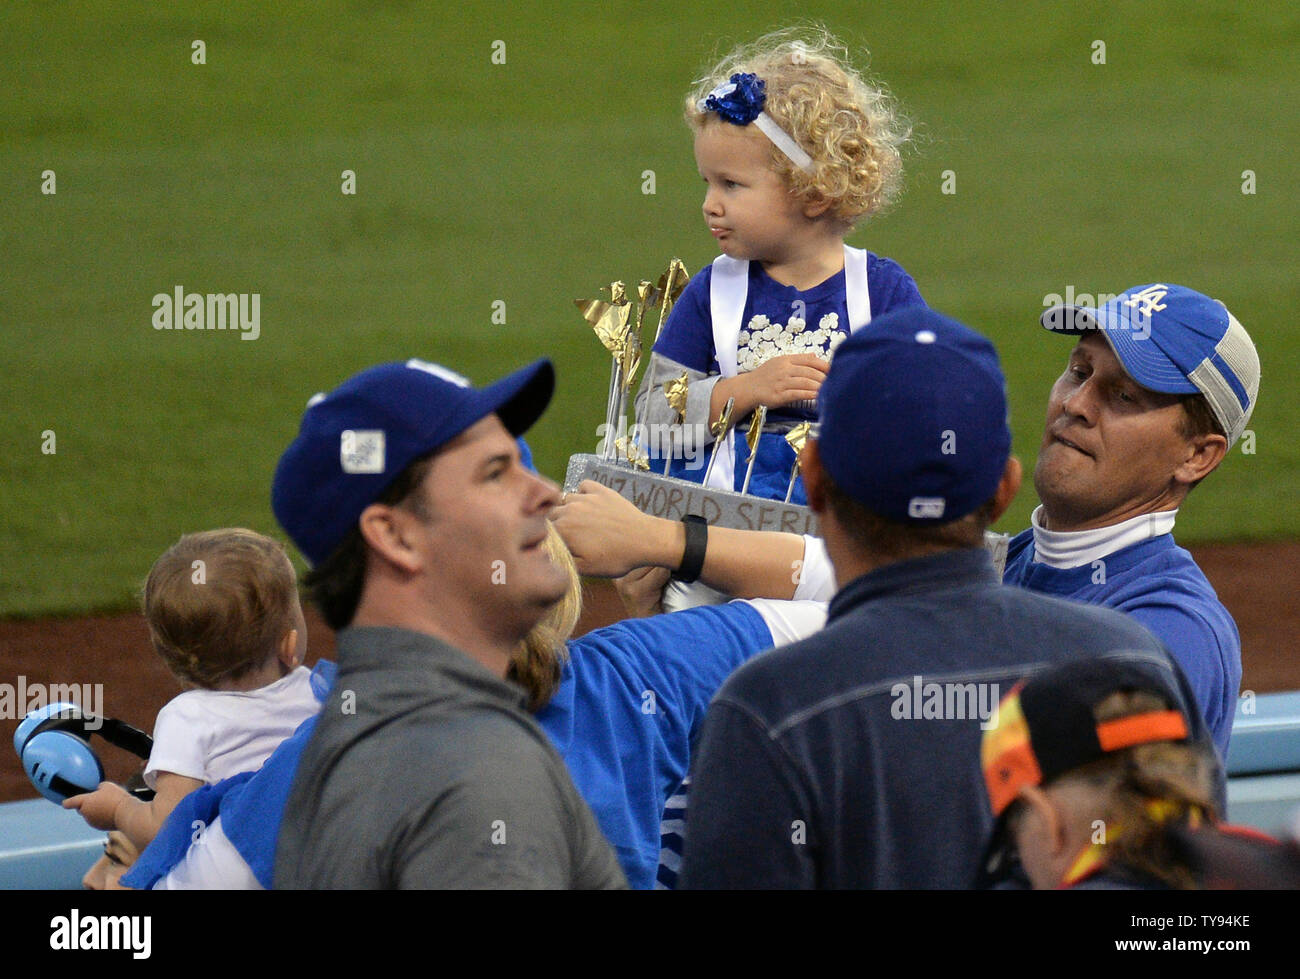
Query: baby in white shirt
[{"x": 224, "y": 615}]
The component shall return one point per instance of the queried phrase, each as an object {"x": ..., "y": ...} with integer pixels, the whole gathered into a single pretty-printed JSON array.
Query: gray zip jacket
[{"x": 425, "y": 772}]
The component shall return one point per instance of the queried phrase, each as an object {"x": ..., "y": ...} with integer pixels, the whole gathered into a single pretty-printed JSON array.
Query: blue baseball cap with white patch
[
  {"x": 914, "y": 418},
  {"x": 1175, "y": 340},
  {"x": 355, "y": 440}
]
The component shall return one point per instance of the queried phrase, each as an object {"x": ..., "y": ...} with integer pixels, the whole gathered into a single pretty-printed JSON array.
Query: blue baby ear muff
[{"x": 53, "y": 743}]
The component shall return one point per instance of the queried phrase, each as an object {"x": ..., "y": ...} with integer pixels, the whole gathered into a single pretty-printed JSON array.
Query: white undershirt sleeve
[
  {"x": 789, "y": 621},
  {"x": 817, "y": 576}
]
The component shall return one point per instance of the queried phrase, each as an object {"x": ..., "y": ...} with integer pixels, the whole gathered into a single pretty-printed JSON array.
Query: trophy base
[{"x": 673, "y": 498}]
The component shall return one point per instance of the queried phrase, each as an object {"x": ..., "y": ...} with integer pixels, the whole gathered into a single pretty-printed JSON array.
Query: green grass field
[{"x": 522, "y": 182}]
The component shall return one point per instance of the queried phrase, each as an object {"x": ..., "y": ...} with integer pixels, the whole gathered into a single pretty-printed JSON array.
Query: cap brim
[
  {"x": 1132, "y": 343},
  {"x": 1070, "y": 320},
  {"x": 519, "y": 399}
]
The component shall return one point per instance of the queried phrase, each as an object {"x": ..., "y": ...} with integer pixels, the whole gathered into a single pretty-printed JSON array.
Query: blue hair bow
[{"x": 739, "y": 101}]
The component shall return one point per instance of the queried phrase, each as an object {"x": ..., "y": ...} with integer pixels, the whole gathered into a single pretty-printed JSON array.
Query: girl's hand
[{"x": 784, "y": 380}]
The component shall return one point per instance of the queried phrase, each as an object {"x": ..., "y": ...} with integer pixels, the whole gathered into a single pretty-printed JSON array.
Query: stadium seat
[{"x": 45, "y": 847}]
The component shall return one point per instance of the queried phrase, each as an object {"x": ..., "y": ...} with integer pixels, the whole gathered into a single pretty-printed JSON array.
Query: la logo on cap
[
  {"x": 361, "y": 451},
  {"x": 926, "y": 507},
  {"x": 1149, "y": 299}
]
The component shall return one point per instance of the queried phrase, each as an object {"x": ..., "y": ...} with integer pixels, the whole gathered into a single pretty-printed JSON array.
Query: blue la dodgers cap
[
  {"x": 914, "y": 418},
  {"x": 355, "y": 440},
  {"x": 1175, "y": 340}
]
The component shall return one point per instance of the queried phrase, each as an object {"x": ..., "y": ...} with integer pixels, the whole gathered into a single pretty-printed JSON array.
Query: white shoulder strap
[
  {"x": 728, "y": 289},
  {"x": 856, "y": 293}
]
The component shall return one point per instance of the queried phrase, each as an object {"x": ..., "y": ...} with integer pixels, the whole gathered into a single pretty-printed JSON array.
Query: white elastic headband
[
  {"x": 783, "y": 142},
  {"x": 779, "y": 137}
]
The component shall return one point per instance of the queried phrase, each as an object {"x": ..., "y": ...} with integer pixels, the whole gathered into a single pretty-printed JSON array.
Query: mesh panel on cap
[
  {"x": 1223, "y": 400},
  {"x": 1239, "y": 353}
]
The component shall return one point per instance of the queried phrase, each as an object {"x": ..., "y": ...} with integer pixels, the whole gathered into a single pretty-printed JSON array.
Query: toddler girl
[{"x": 795, "y": 148}]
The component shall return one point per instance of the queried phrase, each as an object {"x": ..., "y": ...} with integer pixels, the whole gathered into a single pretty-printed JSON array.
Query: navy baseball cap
[
  {"x": 355, "y": 441},
  {"x": 914, "y": 418},
  {"x": 1174, "y": 340}
]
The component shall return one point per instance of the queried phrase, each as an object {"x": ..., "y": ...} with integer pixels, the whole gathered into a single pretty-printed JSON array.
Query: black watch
[{"x": 697, "y": 542}]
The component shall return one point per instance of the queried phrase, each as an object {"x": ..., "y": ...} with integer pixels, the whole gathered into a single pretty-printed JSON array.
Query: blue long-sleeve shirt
[{"x": 1159, "y": 584}]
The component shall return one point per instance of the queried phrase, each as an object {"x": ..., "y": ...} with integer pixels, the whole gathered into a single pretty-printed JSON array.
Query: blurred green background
[{"x": 522, "y": 182}]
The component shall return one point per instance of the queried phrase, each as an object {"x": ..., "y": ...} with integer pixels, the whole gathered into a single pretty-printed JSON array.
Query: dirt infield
[{"x": 1259, "y": 583}]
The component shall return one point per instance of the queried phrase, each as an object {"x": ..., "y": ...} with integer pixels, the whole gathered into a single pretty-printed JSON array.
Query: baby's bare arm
[{"x": 111, "y": 807}]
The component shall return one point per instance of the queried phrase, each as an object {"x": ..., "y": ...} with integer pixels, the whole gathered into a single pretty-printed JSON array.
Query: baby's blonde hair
[
  {"x": 218, "y": 603},
  {"x": 851, "y": 127}
]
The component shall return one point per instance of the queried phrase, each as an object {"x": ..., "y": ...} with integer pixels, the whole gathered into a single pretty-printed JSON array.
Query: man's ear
[
  {"x": 1204, "y": 453},
  {"x": 814, "y": 476},
  {"x": 1008, "y": 487},
  {"x": 389, "y": 530}
]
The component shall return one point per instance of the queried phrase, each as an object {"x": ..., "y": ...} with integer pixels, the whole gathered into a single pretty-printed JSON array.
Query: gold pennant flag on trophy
[
  {"x": 719, "y": 427},
  {"x": 756, "y": 429},
  {"x": 797, "y": 436},
  {"x": 664, "y": 295},
  {"x": 751, "y": 439},
  {"x": 670, "y": 287},
  {"x": 675, "y": 392},
  {"x": 611, "y": 320},
  {"x": 646, "y": 297},
  {"x": 632, "y": 453},
  {"x": 619, "y": 325}
]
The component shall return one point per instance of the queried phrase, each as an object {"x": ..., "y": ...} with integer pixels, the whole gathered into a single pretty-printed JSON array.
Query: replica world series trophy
[{"x": 622, "y": 464}]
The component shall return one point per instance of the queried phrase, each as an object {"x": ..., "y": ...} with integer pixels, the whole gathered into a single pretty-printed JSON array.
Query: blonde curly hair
[{"x": 851, "y": 127}]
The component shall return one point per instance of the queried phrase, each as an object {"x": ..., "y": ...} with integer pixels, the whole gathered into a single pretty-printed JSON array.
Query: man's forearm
[
  {"x": 609, "y": 537},
  {"x": 752, "y": 563},
  {"x": 744, "y": 563}
]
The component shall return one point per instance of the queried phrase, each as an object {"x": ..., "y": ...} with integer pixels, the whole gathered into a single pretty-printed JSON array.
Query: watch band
[{"x": 697, "y": 542}]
